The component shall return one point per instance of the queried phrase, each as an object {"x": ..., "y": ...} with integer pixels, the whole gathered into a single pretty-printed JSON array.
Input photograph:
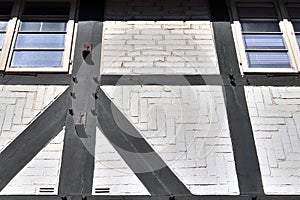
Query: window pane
[
  {"x": 3, "y": 25},
  {"x": 264, "y": 42},
  {"x": 248, "y": 10},
  {"x": 37, "y": 59},
  {"x": 47, "y": 8},
  {"x": 43, "y": 26},
  {"x": 40, "y": 41},
  {"x": 260, "y": 26},
  {"x": 5, "y": 8},
  {"x": 1, "y": 39},
  {"x": 268, "y": 60},
  {"x": 294, "y": 10},
  {"x": 298, "y": 39},
  {"x": 296, "y": 26}
]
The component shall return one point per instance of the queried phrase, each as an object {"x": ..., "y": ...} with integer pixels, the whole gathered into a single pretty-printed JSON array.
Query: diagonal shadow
[
  {"x": 152, "y": 171},
  {"x": 32, "y": 140}
]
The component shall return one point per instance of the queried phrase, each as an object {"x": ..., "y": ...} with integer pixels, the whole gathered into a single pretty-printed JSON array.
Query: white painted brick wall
[
  {"x": 112, "y": 172},
  {"x": 275, "y": 117},
  {"x": 163, "y": 47},
  {"x": 188, "y": 128},
  {"x": 156, "y": 10},
  {"x": 41, "y": 172},
  {"x": 20, "y": 105}
]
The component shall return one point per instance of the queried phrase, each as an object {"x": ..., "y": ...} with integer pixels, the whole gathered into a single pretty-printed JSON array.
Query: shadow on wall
[
  {"x": 154, "y": 10},
  {"x": 146, "y": 10}
]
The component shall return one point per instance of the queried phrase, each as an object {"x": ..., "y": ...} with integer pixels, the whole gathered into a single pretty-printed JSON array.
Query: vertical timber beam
[
  {"x": 76, "y": 177},
  {"x": 246, "y": 160}
]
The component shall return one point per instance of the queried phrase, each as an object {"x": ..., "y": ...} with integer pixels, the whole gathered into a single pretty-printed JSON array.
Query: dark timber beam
[
  {"x": 180, "y": 80},
  {"x": 91, "y": 11},
  {"x": 245, "y": 155},
  {"x": 246, "y": 160},
  {"x": 76, "y": 176},
  {"x": 136, "y": 152},
  {"x": 197, "y": 79},
  {"x": 32, "y": 140},
  {"x": 35, "y": 79},
  {"x": 272, "y": 79},
  {"x": 130, "y": 197}
]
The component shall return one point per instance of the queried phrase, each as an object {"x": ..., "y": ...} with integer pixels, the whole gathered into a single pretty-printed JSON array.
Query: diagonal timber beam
[
  {"x": 152, "y": 171},
  {"x": 32, "y": 140}
]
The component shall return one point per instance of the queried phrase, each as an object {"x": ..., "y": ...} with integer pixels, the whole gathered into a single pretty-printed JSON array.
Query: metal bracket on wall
[
  {"x": 80, "y": 124},
  {"x": 86, "y": 53}
]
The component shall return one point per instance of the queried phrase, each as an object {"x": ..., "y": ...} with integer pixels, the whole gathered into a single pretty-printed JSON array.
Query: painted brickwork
[
  {"x": 158, "y": 37},
  {"x": 112, "y": 172},
  {"x": 275, "y": 117},
  {"x": 148, "y": 47},
  {"x": 41, "y": 174},
  {"x": 20, "y": 105},
  {"x": 188, "y": 128}
]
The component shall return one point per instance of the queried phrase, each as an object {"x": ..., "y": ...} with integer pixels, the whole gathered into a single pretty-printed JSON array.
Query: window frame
[
  {"x": 287, "y": 32},
  {"x": 290, "y": 30},
  {"x": 10, "y": 29},
  {"x": 13, "y": 31}
]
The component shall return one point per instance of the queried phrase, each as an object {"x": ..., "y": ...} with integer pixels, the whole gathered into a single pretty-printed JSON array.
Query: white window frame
[
  {"x": 287, "y": 34},
  {"x": 290, "y": 30},
  {"x": 8, "y": 36},
  {"x": 12, "y": 32}
]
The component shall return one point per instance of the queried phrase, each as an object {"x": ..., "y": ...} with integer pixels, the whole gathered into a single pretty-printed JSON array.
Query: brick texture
[
  {"x": 20, "y": 105},
  {"x": 111, "y": 173},
  {"x": 188, "y": 128},
  {"x": 41, "y": 172},
  {"x": 275, "y": 117},
  {"x": 158, "y": 47}
]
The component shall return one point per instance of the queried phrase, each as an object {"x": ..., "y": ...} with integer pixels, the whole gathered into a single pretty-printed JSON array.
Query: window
[
  {"x": 37, "y": 36},
  {"x": 5, "y": 12},
  {"x": 266, "y": 36}
]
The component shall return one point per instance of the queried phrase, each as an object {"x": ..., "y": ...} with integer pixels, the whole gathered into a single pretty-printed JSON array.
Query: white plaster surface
[
  {"x": 158, "y": 47},
  {"x": 20, "y": 105},
  {"x": 41, "y": 172},
  {"x": 112, "y": 172},
  {"x": 188, "y": 128},
  {"x": 275, "y": 117}
]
